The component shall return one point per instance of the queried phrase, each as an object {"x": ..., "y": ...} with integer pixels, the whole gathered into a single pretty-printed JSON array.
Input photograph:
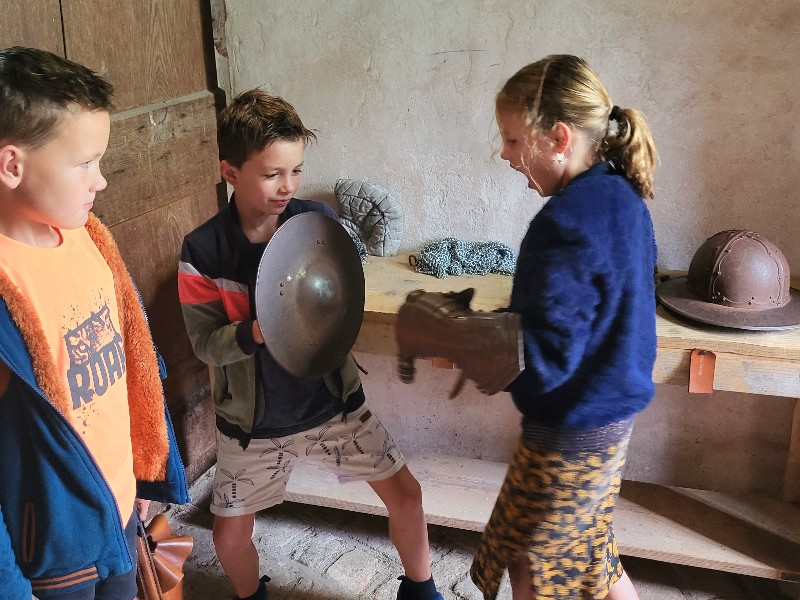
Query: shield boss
[{"x": 310, "y": 294}]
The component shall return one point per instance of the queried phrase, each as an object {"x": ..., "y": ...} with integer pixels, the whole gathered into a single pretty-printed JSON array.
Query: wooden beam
[
  {"x": 675, "y": 332},
  {"x": 733, "y": 373}
]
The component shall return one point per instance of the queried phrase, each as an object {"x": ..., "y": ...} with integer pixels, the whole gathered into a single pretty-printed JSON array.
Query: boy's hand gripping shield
[{"x": 486, "y": 346}]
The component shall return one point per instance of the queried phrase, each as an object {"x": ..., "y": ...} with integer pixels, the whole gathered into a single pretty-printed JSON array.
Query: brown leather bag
[{"x": 160, "y": 558}]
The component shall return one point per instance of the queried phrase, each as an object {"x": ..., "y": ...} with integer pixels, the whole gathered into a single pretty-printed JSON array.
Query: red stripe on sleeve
[
  {"x": 237, "y": 305},
  {"x": 196, "y": 289}
]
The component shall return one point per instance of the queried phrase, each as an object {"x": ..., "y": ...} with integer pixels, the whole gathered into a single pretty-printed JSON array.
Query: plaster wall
[{"x": 401, "y": 93}]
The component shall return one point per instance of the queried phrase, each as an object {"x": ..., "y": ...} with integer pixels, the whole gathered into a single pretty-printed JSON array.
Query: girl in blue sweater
[
  {"x": 583, "y": 310},
  {"x": 585, "y": 291}
]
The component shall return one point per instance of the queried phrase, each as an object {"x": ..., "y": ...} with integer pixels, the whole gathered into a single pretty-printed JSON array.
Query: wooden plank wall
[
  {"x": 161, "y": 165},
  {"x": 149, "y": 49},
  {"x": 36, "y": 24}
]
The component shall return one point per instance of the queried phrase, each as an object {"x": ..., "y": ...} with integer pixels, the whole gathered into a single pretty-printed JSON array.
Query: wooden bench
[{"x": 751, "y": 536}]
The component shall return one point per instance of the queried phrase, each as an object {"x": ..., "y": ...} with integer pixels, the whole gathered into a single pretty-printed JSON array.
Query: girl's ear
[
  {"x": 11, "y": 166},
  {"x": 562, "y": 136},
  {"x": 228, "y": 171}
]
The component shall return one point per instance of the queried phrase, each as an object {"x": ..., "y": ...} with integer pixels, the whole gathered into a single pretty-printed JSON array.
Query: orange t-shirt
[{"x": 72, "y": 291}]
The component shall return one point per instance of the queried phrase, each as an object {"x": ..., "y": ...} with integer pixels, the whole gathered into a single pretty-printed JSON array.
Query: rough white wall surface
[{"x": 401, "y": 93}]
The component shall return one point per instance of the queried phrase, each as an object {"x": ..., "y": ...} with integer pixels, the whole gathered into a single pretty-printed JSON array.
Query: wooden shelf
[
  {"x": 749, "y": 536},
  {"x": 390, "y": 279}
]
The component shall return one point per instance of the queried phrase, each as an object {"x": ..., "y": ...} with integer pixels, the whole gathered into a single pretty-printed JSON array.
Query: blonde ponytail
[{"x": 631, "y": 149}]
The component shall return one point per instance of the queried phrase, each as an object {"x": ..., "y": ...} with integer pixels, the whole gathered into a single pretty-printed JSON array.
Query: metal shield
[{"x": 310, "y": 294}]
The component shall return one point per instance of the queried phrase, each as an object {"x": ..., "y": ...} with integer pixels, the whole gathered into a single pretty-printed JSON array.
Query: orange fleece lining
[{"x": 145, "y": 394}]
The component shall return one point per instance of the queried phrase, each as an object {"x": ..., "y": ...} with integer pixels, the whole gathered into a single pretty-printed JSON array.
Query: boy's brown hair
[
  {"x": 37, "y": 87},
  {"x": 253, "y": 121}
]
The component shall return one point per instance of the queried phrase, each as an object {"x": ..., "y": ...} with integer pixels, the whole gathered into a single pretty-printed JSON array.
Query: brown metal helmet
[{"x": 737, "y": 279}]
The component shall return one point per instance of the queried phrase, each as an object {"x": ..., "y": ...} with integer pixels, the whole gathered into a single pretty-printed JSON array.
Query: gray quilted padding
[{"x": 372, "y": 213}]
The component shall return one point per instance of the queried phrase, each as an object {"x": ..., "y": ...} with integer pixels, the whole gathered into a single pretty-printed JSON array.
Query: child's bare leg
[
  {"x": 519, "y": 575},
  {"x": 402, "y": 495},
  {"x": 233, "y": 543},
  {"x": 622, "y": 590}
]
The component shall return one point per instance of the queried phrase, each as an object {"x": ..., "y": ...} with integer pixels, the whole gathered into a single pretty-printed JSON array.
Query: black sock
[
  {"x": 261, "y": 592},
  {"x": 416, "y": 590}
]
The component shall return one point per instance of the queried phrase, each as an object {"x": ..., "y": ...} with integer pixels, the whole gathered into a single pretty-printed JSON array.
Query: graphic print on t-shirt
[{"x": 96, "y": 357}]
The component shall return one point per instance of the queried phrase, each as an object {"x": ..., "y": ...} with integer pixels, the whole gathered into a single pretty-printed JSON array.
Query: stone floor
[{"x": 318, "y": 553}]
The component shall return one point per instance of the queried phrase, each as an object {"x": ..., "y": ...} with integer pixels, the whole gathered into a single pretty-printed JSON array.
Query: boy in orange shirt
[{"x": 84, "y": 435}]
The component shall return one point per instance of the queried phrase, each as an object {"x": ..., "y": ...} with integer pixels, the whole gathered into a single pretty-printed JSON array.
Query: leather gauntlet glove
[{"x": 486, "y": 346}]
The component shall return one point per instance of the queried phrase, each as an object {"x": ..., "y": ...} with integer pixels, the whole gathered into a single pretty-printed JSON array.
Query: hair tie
[{"x": 614, "y": 114}]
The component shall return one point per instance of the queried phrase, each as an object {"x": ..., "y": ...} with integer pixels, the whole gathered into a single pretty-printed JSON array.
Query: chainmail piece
[
  {"x": 360, "y": 245},
  {"x": 457, "y": 257}
]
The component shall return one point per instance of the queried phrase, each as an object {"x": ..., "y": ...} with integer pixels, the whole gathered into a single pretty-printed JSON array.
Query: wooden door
[{"x": 161, "y": 164}]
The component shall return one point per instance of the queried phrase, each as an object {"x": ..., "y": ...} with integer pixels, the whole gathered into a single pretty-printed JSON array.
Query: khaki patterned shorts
[
  {"x": 555, "y": 507},
  {"x": 250, "y": 480}
]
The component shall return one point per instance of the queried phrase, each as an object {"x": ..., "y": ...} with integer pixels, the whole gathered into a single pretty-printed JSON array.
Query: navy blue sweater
[{"x": 585, "y": 289}]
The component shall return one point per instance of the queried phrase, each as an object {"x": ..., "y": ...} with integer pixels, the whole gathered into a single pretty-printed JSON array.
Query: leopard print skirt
[{"x": 555, "y": 506}]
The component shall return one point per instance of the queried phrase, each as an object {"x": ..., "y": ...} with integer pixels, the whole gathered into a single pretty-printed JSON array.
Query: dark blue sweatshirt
[{"x": 585, "y": 289}]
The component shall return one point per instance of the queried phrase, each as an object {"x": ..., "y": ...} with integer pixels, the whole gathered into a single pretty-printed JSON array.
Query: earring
[{"x": 560, "y": 158}]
